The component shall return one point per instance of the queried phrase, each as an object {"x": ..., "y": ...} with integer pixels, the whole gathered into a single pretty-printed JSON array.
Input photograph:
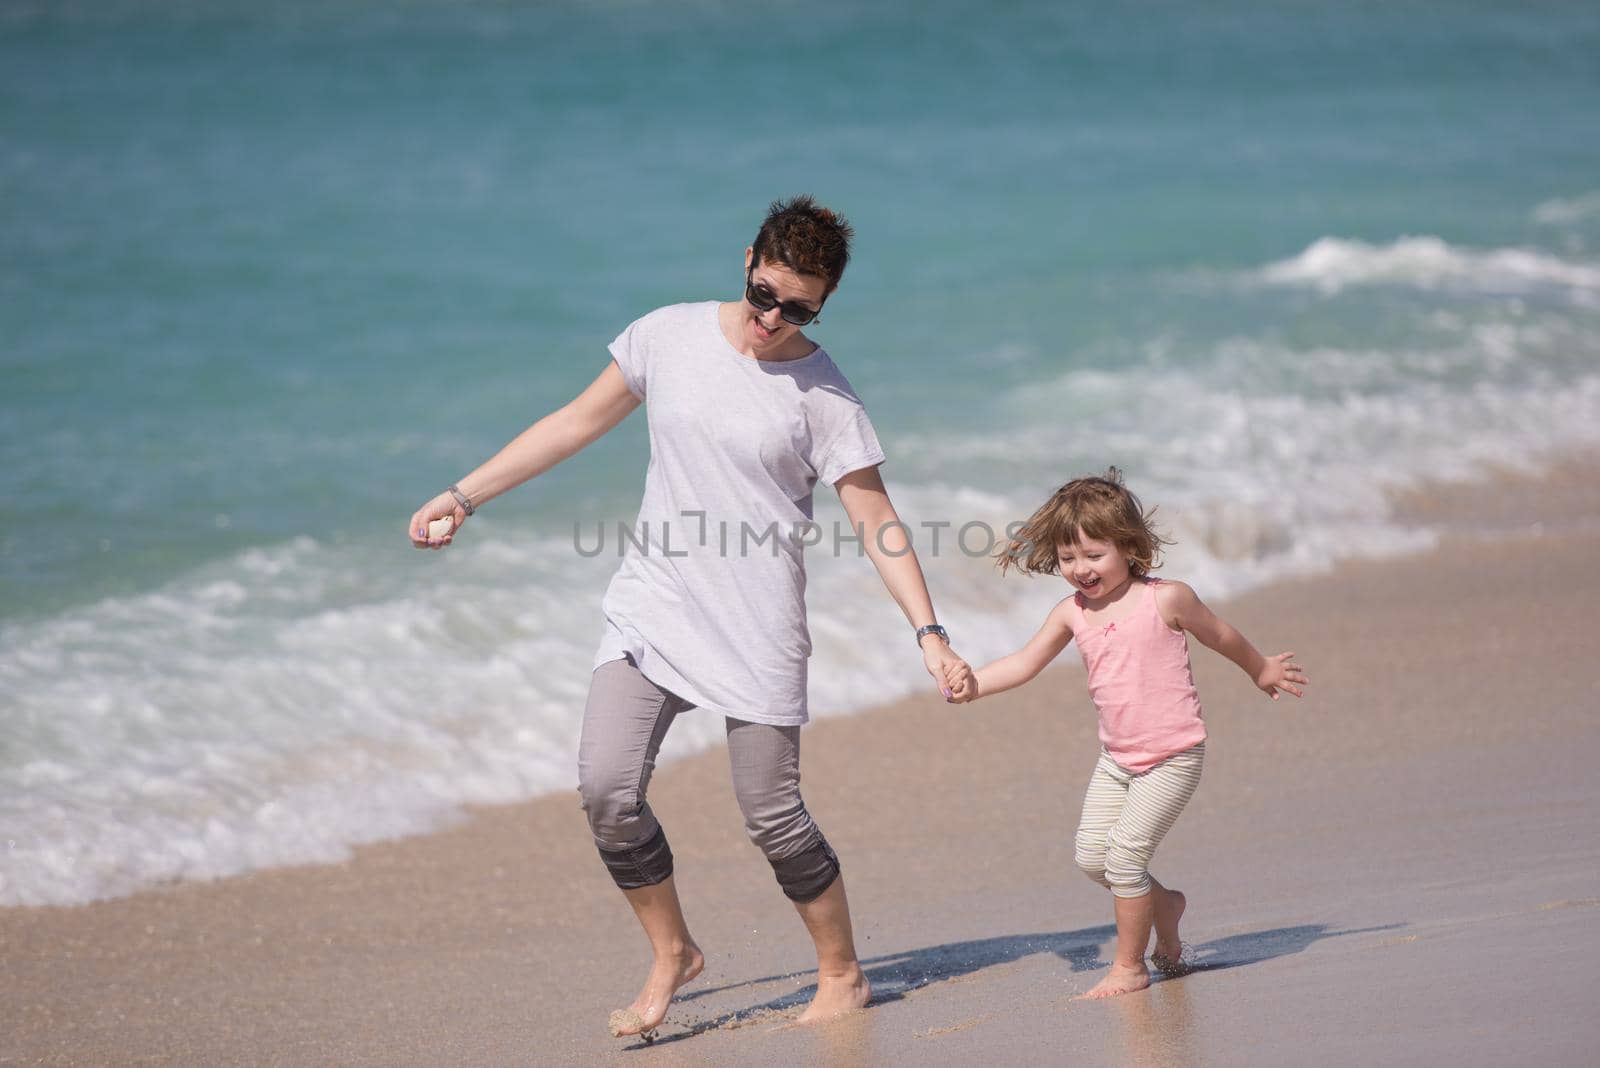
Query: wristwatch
[{"x": 932, "y": 628}]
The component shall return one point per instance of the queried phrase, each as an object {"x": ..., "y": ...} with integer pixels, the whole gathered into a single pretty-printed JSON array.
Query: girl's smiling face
[{"x": 1097, "y": 569}]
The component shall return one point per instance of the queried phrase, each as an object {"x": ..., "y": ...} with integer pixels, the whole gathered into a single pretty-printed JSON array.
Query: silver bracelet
[
  {"x": 932, "y": 628},
  {"x": 462, "y": 499}
]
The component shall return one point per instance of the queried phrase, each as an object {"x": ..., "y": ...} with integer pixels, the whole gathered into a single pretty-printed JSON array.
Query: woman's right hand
[{"x": 444, "y": 506}]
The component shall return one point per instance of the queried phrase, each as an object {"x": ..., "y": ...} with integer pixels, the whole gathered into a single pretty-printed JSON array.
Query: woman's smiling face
[{"x": 766, "y": 332}]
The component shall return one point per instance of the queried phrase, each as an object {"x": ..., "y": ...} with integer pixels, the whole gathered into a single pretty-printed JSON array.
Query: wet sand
[{"x": 1403, "y": 868}]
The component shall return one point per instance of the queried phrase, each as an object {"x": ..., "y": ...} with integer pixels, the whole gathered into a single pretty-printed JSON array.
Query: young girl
[{"x": 1130, "y": 628}]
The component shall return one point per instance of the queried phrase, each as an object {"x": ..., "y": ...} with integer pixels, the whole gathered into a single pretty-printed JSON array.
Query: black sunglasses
[{"x": 763, "y": 299}]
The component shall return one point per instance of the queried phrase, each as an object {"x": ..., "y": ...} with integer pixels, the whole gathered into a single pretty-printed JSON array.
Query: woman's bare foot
[
  {"x": 1168, "y": 955},
  {"x": 1122, "y": 979},
  {"x": 838, "y": 995},
  {"x": 649, "y": 1009}
]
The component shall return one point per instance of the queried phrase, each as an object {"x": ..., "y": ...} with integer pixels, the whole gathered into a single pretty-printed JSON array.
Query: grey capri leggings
[{"x": 624, "y": 722}]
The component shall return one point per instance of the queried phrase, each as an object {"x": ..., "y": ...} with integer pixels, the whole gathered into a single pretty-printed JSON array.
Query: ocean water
[{"x": 271, "y": 275}]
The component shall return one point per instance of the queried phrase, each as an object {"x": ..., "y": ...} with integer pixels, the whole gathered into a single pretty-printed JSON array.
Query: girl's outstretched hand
[
  {"x": 1281, "y": 673},
  {"x": 443, "y": 506}
]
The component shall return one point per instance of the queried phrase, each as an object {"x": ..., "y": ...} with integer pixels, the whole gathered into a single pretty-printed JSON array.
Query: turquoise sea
[{"x": 273, "y": 274}]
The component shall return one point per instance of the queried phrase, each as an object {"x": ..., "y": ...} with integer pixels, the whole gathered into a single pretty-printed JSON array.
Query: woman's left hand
[{"x": 942, "y": 662}]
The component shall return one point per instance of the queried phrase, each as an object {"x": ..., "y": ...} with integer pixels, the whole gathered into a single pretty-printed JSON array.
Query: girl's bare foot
[
  {"x": 837, "y": 995},
  {"x": 649, "y": 1009},
  {"x": 1168, "y": 955},
  {"x": 1172, "y": 967},
  {"x": 1122, "y": 979}
]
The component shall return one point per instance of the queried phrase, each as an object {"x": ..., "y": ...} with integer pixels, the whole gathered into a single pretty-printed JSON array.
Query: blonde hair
[{"x": 1098, "y": 507}]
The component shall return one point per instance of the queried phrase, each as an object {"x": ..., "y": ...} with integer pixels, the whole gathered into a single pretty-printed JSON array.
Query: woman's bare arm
[{"x": 606, "y": 402}]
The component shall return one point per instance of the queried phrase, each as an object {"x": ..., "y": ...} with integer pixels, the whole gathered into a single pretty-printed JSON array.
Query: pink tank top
[{"x": 1141, "y": 682}]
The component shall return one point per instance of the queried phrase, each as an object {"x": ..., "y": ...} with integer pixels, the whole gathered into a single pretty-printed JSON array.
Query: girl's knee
[
  {"x": 1127, "y": 872},
  {"x": 1089, "y": 854},
  {"x": 1126, "y": 885},
  {"x": 1096, "y": 872}
]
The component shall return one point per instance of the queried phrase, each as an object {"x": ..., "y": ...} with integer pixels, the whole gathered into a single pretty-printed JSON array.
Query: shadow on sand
[
  {"x": 895, "y": 975},
  {"x": 1253, "y": 947}
]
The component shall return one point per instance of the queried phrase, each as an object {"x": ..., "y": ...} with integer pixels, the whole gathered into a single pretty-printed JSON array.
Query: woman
[{"x": 746, "y": 414}]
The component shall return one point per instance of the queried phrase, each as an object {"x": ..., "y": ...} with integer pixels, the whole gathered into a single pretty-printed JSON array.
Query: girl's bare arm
[
  {"x": 1181, "y": 607},
  {"x": 1022, "y": 665}
]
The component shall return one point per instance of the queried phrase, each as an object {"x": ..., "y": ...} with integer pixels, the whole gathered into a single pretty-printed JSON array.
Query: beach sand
[{"x": 1403, "y": 868}]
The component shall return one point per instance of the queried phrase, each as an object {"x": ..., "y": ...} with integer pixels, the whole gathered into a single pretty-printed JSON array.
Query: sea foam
[
  {"x": 1564, "y": 211},
  {"x": 1330, "y": 265}
]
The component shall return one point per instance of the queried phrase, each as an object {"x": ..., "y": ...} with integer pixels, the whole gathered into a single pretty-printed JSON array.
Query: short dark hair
[{"x": 805, "y": 237}]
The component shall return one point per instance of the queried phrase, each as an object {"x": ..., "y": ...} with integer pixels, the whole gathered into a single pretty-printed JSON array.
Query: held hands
[
  {"x": 943, "y": 664},
  {"x": 961, "y": 682},
  {"x": 428, "y": 529},
  {"x": 1281, "y": 673}
]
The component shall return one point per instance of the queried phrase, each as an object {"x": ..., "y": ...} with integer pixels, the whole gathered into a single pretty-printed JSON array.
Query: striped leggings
[{"x": 1126, "y": 814}]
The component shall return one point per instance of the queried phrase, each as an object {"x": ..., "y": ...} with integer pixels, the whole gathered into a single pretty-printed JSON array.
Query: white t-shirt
[{"x": 712, "y": 607}]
